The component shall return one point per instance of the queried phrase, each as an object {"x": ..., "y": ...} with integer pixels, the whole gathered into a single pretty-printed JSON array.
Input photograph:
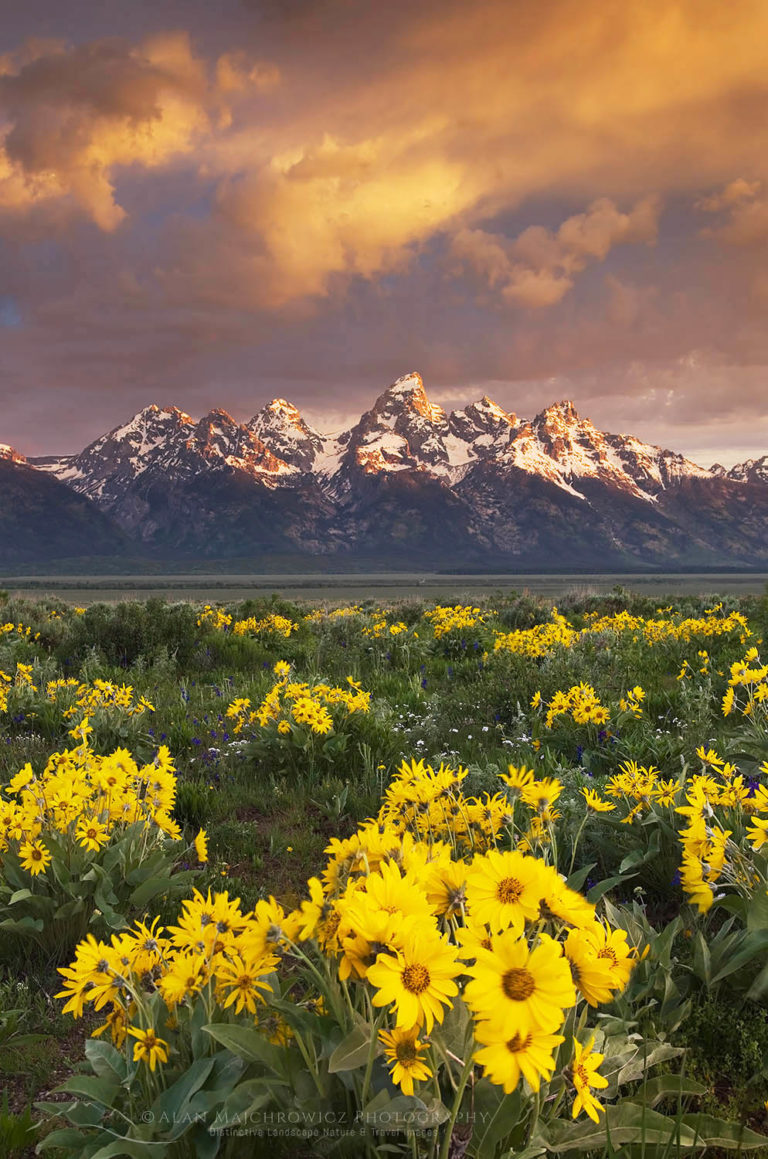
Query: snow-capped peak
[
  {"x": 281, "y": 427},
  {"x": 286, "y": 410},
  {"x": 11, "y": 454},
  {"x": 407, "y": 392},
  {"x": 750, "y": 471}
]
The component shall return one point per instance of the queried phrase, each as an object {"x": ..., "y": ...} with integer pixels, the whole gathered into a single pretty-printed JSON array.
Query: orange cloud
[
  {"x": 344, "y": 209},
  {"x": 538, "y": 267},
  {"x": 366, "y": 137},
  {"x": 74, "y": 115}
]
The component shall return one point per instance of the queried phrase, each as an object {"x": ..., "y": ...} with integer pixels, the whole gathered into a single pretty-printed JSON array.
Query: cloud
[
  {"x": 538, "y": 267},
  {"x": 341, "y": 209},
  {"x": 333, "y": 193},
  {"x": 734, "y": 193},
  {"x": 75, "y": 114},
  {"x": 745, "y": 209}
]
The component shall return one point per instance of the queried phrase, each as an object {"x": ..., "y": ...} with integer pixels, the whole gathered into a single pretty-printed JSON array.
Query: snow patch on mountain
[
  {"x": 750, "y": 471},
  {"x": 402, "y": 431}
]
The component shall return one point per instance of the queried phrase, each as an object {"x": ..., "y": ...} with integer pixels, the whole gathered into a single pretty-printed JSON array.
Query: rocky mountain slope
[
  {"x": 410, "y": 484},
  {"x": 42, "y": 519},
  {"x": 750, "y": 471}
]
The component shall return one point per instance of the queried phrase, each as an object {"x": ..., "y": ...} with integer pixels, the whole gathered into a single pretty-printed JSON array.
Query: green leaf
[
  {"x": 718, "y": 1133},
  {"x": 753, "y": 944},
  {"x": 248, "y": 1097},
  {"x": 759, "y": 987},
  {"x": 577, "y": 879},
  {"x": 496, "y": 1117},
  {"x": 86, "y": 1114},
  {"x": 169, "y": 1107},
  {"x": 67, "y": 1137},
  {"x": 247, "y": 1044},
  {"x": 702, "y": 960},
  {"x": 98, "y": 1090},
  {"x": 669, "y": 1086},
  {"x": 623, "y": 1122},
  {"x": 597, "y": 891},
  {"x": 204, "y": 1144},
  {"x": 135, "y": 1148},
  {"x": 352, "y": 1052},
  {"x": 147, "y": 890},
  {"x": 639, "y": 1064},
  {"x": 757, "y": 910}
]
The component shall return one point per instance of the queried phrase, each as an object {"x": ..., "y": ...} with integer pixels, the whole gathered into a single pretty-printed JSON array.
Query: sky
[{"x": 211, "y": 203}]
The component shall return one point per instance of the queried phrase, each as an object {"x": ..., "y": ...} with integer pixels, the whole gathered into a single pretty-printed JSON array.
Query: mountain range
[{"x": 408, "y": 486}]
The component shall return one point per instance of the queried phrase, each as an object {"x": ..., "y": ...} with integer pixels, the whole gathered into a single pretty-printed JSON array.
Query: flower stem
[{"x": 465, "y": 1074}]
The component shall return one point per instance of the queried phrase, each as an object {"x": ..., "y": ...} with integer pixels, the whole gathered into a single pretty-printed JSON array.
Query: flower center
[
  {"x": 607, "y": 952},
  {"x": 508, "y": 890},
  {"x": 37, "y": 855},
  {"x": 406, "y": 1052},
  {"x": 517, "y": 1043},
  {"x": 416, "y": 979},
  {"x": 518, "y": 984}
]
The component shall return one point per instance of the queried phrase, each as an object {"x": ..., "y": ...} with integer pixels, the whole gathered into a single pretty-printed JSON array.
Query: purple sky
[{"x": 211, "y": 204}]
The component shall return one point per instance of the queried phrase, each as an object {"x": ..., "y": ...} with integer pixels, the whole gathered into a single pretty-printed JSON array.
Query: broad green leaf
[
  {"x": 86, "y": 1114},
  {"x": 99, "y": 1090},
  {"x": 759, "y": 987},
  {"x": 639, "y": 1064},
  {"x": 577, "y": 879},
  {"x": 496, "y": 1116},
  {"x": 134, "y": 1148},
  {"x": 66, "y": 1137},
  {"x": 623, "y": 1122},
  {"x": 597, "y": 891},
  {"x": 702, "y": 960},
  {"x": 752, "y": 944},
  {"x": 205, "y": 1145},
  {"x": 248, "y": 1097},
  {"x": 352, "y": 1052},
  {"x": 169, "y": 1107},
  {"x": 757, "y": 910},
  {"x": 247, "y": 1044},
  {"x": 147, "y": 890},
  {"x": 718, "y": 1133},
  {"x": 669, "y": 1086}
]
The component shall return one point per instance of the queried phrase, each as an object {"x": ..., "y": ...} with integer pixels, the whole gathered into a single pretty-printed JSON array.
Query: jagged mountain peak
[
  {"x": 286, "y": 410},
  {"x": 153, "y": 413},
  {"x": 561, "y": 413},
  {"x": 145, "y": 428},
  {"x": 281, "y": 427},
  {"x": 11, "y": 454},
  {"x": 750, "y": 471},
  {"x": 407, "y": 393}
]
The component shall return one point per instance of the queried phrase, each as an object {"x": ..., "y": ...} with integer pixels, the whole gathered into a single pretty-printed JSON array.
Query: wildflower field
[{"x": 418, "y": 880}]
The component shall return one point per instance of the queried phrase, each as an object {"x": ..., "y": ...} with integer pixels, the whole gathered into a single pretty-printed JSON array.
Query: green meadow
[{"x": 427, "y": 754}]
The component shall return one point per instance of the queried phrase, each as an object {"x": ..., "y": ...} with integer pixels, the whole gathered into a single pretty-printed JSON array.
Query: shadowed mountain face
[
  {"x": 408, "y": 482},
  {"x": 42, "y": 519}
]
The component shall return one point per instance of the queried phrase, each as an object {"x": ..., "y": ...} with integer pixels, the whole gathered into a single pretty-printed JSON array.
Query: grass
[{"x": 269, "y": 815}]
